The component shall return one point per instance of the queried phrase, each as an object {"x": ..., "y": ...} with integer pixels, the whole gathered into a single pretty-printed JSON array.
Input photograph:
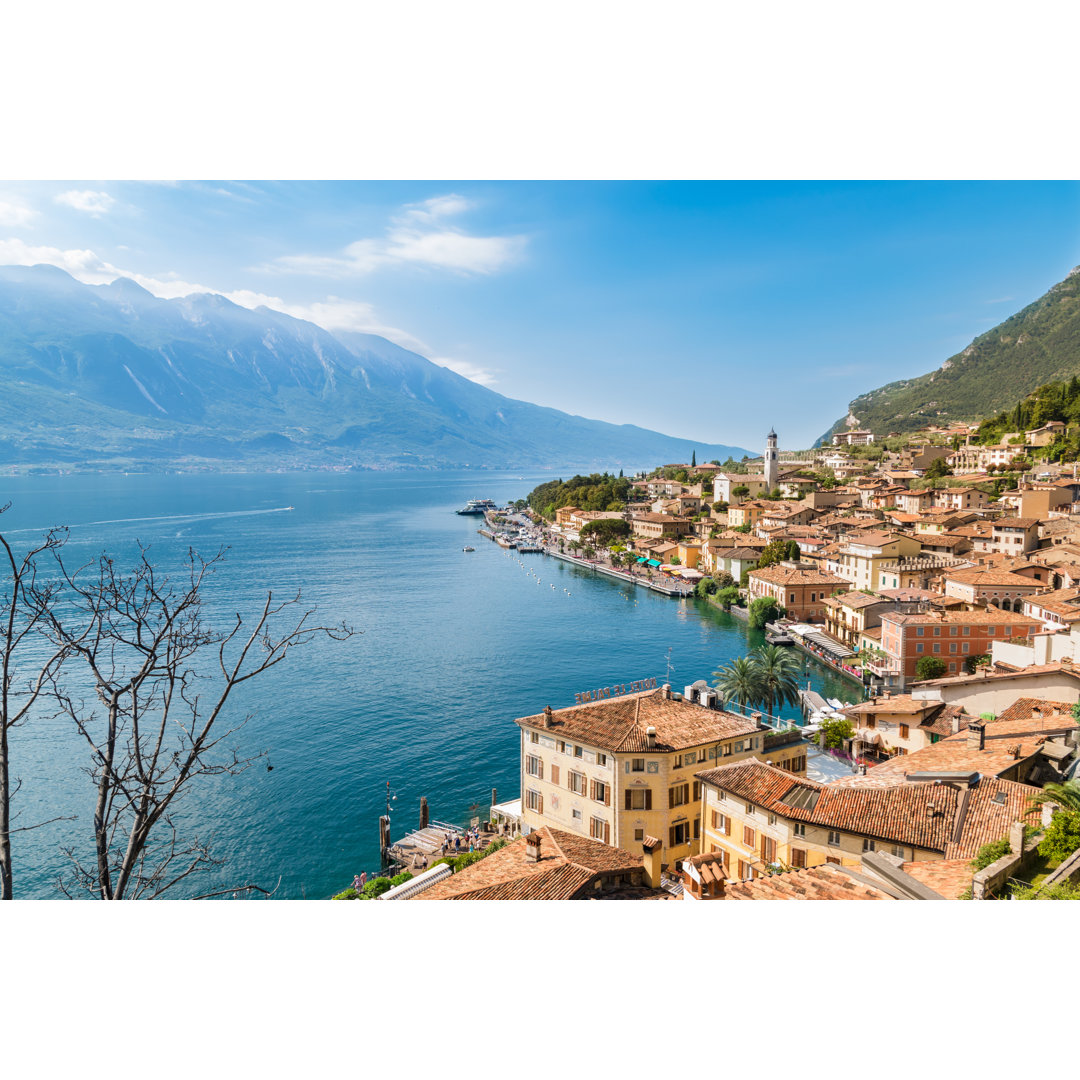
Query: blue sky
[{"x": 707, "y": 310}]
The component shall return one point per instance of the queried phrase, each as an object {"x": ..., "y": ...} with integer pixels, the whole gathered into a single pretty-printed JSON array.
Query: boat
[
  {"x": 477, "y": 507},
  {"x": 468, "y": 549}
]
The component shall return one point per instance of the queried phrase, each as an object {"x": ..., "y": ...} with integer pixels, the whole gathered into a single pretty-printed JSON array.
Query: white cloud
[
  {"x": 483, "y": 376},
  {"x": 333, "y": 313},
  {"x": 13, "y": 216},
  {"x": 417, "y": 236},
  {"x": 94, "y": 203}
]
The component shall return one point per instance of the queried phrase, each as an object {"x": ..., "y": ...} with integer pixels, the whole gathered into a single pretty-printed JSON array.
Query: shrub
[
  {"x": 764, "y": 610},
  {"x": 990, "y": 853},
  {"x": 348, "y": 894},
  {"x": 1061, "y": 890},
  {"x": 1061, "y": 837},
  {"x": 375, "y": 887},
  {"x": 835, "y": 730},
  {"x": 930, "y": 667},
  {"x": 400, "y": 879}
]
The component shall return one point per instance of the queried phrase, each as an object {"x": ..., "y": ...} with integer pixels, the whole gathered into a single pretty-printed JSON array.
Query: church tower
[{"x": 771, "y": 460}]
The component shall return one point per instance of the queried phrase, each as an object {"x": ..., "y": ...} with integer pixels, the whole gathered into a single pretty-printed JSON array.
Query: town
[{"x": 938, "y": 573}]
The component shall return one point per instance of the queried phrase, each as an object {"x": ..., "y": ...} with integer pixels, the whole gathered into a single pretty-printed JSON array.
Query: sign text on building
[{"x": 618, "y": 690}]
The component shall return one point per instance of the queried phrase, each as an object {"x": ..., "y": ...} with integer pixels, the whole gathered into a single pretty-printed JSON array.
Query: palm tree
[
  {"x": 1066, "y": 795},
  {"x": 740, "y": 681},
  {"x": 778, "y": 672}
]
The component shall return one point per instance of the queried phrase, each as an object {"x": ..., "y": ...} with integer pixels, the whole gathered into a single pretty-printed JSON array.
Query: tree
[
  {"x": 929, "y": 667},
  {"x": 1066, "y": 795},
  {"x": 764, "y": 610},
  {"x": 1061, "y": 837},
  {"x": 24, "y": 608},
  {"x": 792, "y": 551},
  {"x": 693, "y": 459},
  {"x": 778, "y": 671},
  {"x": 739, "y": 681},
  {"x": 939, "y": 467},
  {"x": 605, "y": 531},
  {"x": 723, "y": 580},
  {"x": 165, "y": 680},
  {"x": 774, "y": 551},
  {"x": 835, "y": 731},
  {"x": 728, "y": 596}
]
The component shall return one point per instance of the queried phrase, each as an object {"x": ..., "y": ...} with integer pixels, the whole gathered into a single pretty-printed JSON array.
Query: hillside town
[{"x": 938, "y": 575}]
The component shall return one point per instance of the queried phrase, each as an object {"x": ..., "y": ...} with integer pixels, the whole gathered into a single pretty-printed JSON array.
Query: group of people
[{"x": 457, "y": 842}]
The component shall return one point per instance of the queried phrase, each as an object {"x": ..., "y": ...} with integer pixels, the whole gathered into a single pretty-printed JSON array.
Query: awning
[
  {"x": 654, "y": 562},
  {"x": 833, "y": 648},
  {"x": 870, "y": 736},
  {"x": 642, "y": 559}
]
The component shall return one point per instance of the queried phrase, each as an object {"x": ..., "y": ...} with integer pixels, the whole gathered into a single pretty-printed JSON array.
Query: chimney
[
  {"x": 532, "y": 847},
  {"x": 976, "y": 735},
  {"x": 548, "y": 722},
  {"x": 653, "y": 852},
  {"x": 650, "y": 737},
  {"x": 665, "y": 691}
]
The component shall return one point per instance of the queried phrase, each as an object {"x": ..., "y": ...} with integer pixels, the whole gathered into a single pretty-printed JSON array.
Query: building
[
  {"x": 1015, "y": 536},
  {"x": 725, "y": 483},
  {"x": 898, "y": 724},
  {"x": 952, "y": 637},
  {"x": 849, "y": 615},
  {"x": 550, "y": 864},
  {"x": 772, "y": 460},
  {"x": 800, "y": 590},
  {"x": 1002, "y": 588},
  {"x": 856, "y": 437},
  {"x": 993, "y": 691},
  {"x": 621, "y": 767},
  {"x": 660, "y": 526},
  {"x": 758, "y": 818},
  {"x": 861, "y": 558}
]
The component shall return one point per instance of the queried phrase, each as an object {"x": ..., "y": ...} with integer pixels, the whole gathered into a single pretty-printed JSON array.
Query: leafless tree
[
  {"x": 21, "y": 650},
  {"x": 164, "y": 682}
]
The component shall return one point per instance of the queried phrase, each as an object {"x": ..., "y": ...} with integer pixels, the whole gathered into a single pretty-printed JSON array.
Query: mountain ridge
[
  {"x": 1038, "y": 344},
  {"x": 109, "y": 375}
]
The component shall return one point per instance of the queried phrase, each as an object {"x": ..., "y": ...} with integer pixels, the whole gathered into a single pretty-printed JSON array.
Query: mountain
[
  {"x": 1037, "y": 345},
  {"x": 112, "y": 376}
]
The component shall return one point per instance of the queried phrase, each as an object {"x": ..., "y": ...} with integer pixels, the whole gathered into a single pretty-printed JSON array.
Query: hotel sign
[{"x": 619, "y": 690}]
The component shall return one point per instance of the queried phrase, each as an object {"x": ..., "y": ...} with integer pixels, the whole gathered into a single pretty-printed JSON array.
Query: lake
[{"x": 454, "y": 646}]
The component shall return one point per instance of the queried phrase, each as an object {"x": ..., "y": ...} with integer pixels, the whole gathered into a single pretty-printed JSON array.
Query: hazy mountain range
[
  {"x": 110, "y": 375},
  {"x": 1037, "y": 345}
]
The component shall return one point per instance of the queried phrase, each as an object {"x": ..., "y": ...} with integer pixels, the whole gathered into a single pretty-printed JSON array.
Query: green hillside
[{"x": 1037, "y": 345}]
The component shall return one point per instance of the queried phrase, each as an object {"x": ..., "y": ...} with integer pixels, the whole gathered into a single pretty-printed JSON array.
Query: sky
[{"x": 709, "y": 310}]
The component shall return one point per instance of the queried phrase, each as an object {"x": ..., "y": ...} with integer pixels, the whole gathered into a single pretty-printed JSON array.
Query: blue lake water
[{"x": 455, "y": 645}]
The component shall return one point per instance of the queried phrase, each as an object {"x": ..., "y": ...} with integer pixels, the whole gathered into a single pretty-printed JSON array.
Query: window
[
  {"x": 575, "y": 781},
  {"x": 560, "y": 746},
  {"x": 715, "y": 819},
  {"x": 990, "y": 630},
  {"x": 575, "y": 814},
  {"x": 721, "y": 795},
  {"x": 750, "y": 808},
  {"x": 898, "y": 851},
  {"x": 905, "y": 731},
  {"x": 577, "y": 751},
  {"x": 637, "y": 764},
  {"x": 798, "y": 857},
  {"x": 678, "y": 761},
  {"x": 534, "y": 737},
  {"x": 639, "y": 834},
  {"x": 601, "y": 792},
  {"x": 937, "y": 647},
  {"x": 727, "y": 749},
  {"x": 746, "y": 871},
  {"x": 868, "y": 845},
  {"x": 679, "y": 834},
  {"x": 534, "y": 801},
  {"x": 601, "y": 759},
  {"x": 952, "y": 667},
  {"x": 697, "y": 791},
  {"x": 534, "y": 767},
  {"x": 772, "y": 819},
  {"x": 834, "y": 838},
  {"x": 871, "y": 722},
  {"x": 679, "y": 795},
  {"x": 919, "y": 631},
  {"x": 965, "y": 646},
  {"x": 768, "y": 849},
  {"x": 952, "y": 646},
  {"x": 748, "y": 836},
  {"x": 554, "y": 774},
  {"x": 967, "y": 630},
  {"x": 599, "y": 829},
  {"x": 953, "y": 631},
  {"x": 937, "y": 631},
  {"x": 799, "y": 829},
  {"x": 638, "y": 799}
]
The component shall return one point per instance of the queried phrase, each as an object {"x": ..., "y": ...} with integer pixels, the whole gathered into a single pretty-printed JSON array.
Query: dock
[
  {"x": 812, "y": 702},
  {"x": 417, "y": 850}
]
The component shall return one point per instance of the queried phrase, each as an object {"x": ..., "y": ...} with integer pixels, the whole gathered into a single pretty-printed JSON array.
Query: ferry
[
  {"x": 468, "y": 549},
  {"x": 478, "y": 506}
]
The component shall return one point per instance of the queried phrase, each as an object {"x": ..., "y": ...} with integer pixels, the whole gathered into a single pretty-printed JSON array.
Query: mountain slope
[
  {"x": 111, "y": 374},
  {"x": 1039, "y": 344}
]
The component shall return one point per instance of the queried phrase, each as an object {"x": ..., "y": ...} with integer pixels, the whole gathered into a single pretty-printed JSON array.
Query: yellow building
[
  {"x": 860, "y": 560},
  {"x": 759, "y": 817},
  {"x": 619, "y": 767}
]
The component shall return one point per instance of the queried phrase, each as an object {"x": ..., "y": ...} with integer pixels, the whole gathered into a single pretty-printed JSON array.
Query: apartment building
[
  {"x": 861, "y": 558},
  {"x": 800, "y": 590}
]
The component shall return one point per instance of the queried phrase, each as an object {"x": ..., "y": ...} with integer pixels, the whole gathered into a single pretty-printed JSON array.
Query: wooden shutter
[
  {"x": 540, "y": 804},
  {"x": 607, "y": 794},
  {"x": 697, "y": 827},
  {"x": 628, "y": 806},
  {"x": 554, "y": 774},
  {"x": 671, "y": 836},
  {"x": 715, "y": 820},
  {"x": 592, "y": 790},
  {"x": 671, "y": 798},
  {"x": 607, "y": 832},
  {"x": 540, "y": 764},
  {"x": 697, "y": 790},
  {"x": 648, "y": 798}
]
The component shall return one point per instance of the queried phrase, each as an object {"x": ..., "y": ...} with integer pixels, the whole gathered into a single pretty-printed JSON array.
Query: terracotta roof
[
  {"x": 935, "y": 817},
  {"x": 619, "y": 724},
  {"x": 985, "y": 674},
  {"x": 566, "y": 869},
  {"x": 860, "y": 599},
  {"x": 812, "y": 883},
  {"x": 1038, "y": 709},
  {"x": 959, "y": 618},
  {"x": 985, "y": 578},
  {"x": 900, "y": 703},
  {"x": 1015, "y": 523},
  {"x": 785, "y": 575},
  {"x": 876, "y": 539},
  {"x": 947, "y": 877}
]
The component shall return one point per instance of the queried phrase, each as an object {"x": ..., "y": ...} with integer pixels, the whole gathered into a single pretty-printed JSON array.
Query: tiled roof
[
  {"x": 986, "y": 674},
  {"x": 900, "y": 703},
  {"x": 1058, "y": 714},
  {"x": 619, "y": 724},
  {"x": 567, "y": 865},
  {"x": 860, "y": 599},
  {"x": 935, "y": 817},
  {"x": 1015, "y": 523},
  {"x": 812, "y": 883},
  {"x": 786, "y": 575},
  {"x": 876, "y": 539},
  {"x": 947, "y": 877},
  {"x": 959, "y": 618},
  {"x": 979, "y": 577}
]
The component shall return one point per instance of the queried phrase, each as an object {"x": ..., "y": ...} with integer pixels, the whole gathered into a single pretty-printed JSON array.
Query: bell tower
[{"x": 771, "y": 460}]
